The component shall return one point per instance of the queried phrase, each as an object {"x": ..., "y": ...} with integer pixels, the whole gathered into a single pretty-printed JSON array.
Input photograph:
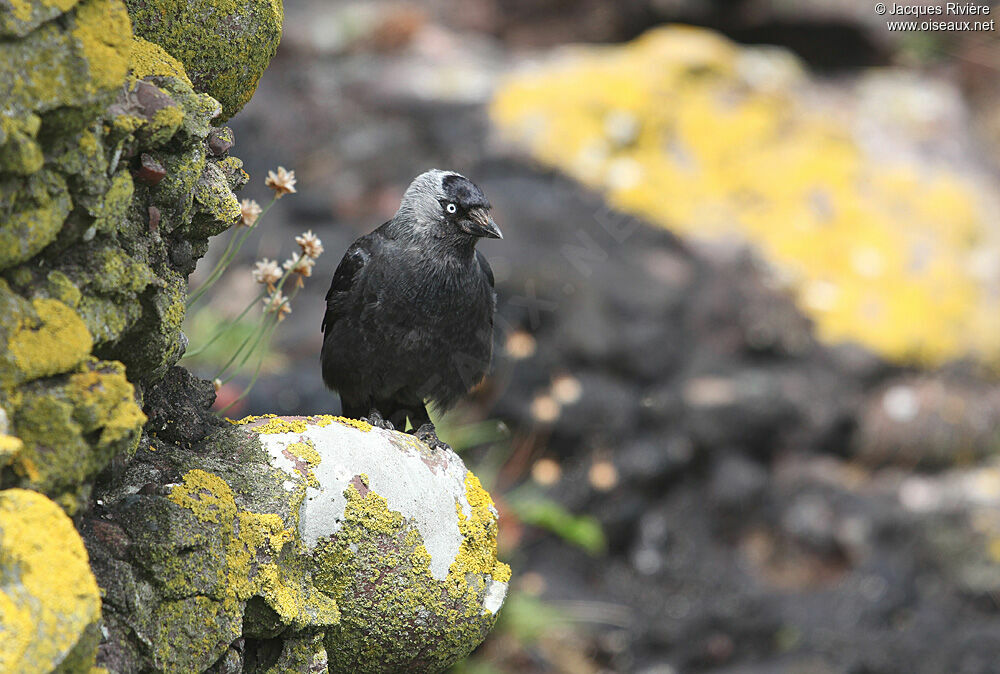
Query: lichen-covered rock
[
  {"x": 49, "y": 601},
  {"x": 401, "y": 536},
  {"x": 271, "y": 532},
  {"x": 884, "y": 243},
  {"x": 89, "y": 242},
  {"x": 224, "y": 46}
]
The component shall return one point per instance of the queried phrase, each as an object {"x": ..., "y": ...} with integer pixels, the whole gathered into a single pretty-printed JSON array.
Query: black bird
[{"x": 409, "y": 314}]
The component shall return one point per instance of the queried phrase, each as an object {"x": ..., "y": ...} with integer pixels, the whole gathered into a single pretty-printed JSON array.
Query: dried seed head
[
  {"x": 281, "y": 181},
  {"x": 310, "y": 244},
  {"x": 250, "y": 210},
  {"x": 267, "y": 272}
]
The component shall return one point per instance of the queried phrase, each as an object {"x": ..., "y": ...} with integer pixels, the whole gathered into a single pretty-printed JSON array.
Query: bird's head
[{"x": 447, "y": 205}]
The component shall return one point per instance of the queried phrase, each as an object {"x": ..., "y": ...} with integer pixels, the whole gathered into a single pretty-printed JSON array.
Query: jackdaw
[{"x": 409, "y": 314}]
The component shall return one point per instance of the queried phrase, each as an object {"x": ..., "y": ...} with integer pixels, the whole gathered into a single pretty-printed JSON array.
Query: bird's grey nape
[{"x": 420, "y": 206}]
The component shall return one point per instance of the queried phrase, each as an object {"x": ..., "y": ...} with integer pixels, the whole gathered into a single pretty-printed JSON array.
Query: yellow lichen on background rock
[
  {"x": 689, "y": 130},
  {"x": 48, "y": 595}
]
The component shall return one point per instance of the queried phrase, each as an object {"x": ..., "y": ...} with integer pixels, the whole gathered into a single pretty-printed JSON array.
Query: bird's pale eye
[{"x": 451, "y": 208}]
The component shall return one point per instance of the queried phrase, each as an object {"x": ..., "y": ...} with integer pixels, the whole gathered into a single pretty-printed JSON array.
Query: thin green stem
[
  {"x": 256, "y": 372},
  {"x": 226, "y": 328},
  {"x": 239, "y": 238},
  {"x": 217, "y": 269},
  {"x": 258, "y": 333}
]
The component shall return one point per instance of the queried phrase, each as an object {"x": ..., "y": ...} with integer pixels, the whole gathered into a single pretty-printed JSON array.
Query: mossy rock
[
  {"x": 71, "y": 427},
  {"x": 224, "y": 46},
  {"x": 76, "y": 62}
]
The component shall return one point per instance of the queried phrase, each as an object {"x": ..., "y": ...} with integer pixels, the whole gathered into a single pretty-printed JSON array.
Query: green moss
[
  {"x": 34, "y": 208},
  {"x": 60, "y": 287},
  {"x": 19, "y": 153},
  {"x": 72, "y": 427},
  {"x": 224, "y": 45},
  {"x": 49, "y": 596}
]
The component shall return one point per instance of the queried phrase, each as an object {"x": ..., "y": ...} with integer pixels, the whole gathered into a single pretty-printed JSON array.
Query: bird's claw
[
  {"x": 427, "y": 434},
  {"x": 376, "y": 420}
]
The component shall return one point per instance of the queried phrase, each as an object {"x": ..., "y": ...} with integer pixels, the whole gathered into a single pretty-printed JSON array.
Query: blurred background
[{"x": 745, "y": 413}]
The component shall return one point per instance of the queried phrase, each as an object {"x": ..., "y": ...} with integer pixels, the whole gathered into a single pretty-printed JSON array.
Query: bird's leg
[
  {"x": 424, "y": 430},
  {"x": 375, "y": 419},
  {"x": 427, "y": 434}
]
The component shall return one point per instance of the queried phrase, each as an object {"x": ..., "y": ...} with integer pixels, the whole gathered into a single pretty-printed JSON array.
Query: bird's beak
[{"x": 481, "y": 224}]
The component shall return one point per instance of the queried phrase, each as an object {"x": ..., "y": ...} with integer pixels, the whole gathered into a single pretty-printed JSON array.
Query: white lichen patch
[
  {"x": 421, "y": 484},
  {"x": 496, "y": 592}
]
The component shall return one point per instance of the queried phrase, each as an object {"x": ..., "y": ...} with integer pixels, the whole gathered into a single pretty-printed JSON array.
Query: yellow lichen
[
  {"x": 63, "y": 288},
  {"x": 276, "y": 424},
  {"x": 353, "y": 423},
  {"x": 48, "y": 595},
  {"x": 56, "y": 342},
  {"x": 104, "y": 32},
  {"x": 149, "y": 58},
  {"x": 478, "y": 552},
  {"x": 378, "y": 568},
  {"x": 253, "y": 541},
  {"x": 686, "y": 129},
  {"x": 206, "y": 495},
  {"x": 307, "y": 452},
  {"x": 9, "y": 447},
  {"x": 106, "y": 397}
]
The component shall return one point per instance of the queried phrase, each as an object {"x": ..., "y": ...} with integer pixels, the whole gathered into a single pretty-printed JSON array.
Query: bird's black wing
[
  {"x": 344, "y": 278},
  {"x": 485, "y": 266}
]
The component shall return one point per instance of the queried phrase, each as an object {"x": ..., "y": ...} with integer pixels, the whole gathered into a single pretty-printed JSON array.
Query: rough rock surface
[
  {"x": 92, "y": 286},
  {"x": 307, "y": 540},
  {"x": 224, "y": 45}
]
